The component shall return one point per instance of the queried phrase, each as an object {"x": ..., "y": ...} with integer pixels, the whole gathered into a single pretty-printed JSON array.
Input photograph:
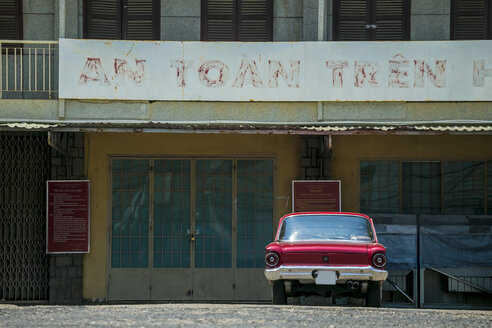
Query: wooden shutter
[
  {"x": 122, "y": 19},
  {"x": 392, "y": 20},
  {"x": 471, "y": 20},
  {"x": 10, "y": 20},
  {"x": 218, "y": 20},
  {"x": 237, "y": 20},
  {"x": 255, "y": 19},
  {"x": 103, "y": 19},
  {"x": 141, "y": 19},
  {"x": 358, "y": 20},
  {"x": 350, "y": 20}
]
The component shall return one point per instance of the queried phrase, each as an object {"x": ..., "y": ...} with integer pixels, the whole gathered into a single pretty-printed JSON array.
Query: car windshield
[{"x": 326, "y": 227}]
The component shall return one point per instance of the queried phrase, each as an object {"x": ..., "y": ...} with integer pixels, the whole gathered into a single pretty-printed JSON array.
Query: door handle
[{"x": 192, "y": 235}]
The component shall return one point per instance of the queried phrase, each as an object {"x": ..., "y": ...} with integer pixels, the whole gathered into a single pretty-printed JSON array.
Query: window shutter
[
  {"x": 470, "y": 20},
  {"x": 392, "y": 20},
  {"x": 141, "y": 20},
  {"x": 10, "y": 20},
  {"x": 219, "y": 20},
  {"x": 103, "y": 19},
  {"x": 237, "y": 20},
  {"x": 358, "y": 20},
  {"x": 255, "y": 20},
  {"x": 350, "y": 20}
]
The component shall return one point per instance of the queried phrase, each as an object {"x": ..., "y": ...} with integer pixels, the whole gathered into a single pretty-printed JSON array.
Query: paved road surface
[{"x": 234, "y": 315}]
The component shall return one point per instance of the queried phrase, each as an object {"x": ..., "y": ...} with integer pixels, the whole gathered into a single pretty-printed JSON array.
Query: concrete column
[
  {"x": 61, "y": 18},
  {"x": 66, "y": 270},
  {"x": 430, "y": 20},
  {"x": 317, "y": 20}
]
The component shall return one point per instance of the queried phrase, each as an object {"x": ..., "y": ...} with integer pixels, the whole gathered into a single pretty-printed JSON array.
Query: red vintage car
[{"x": 327, "y": 254}]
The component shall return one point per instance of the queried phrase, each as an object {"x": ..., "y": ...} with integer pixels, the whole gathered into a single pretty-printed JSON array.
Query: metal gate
[
  {"x": 190, "y": 229},
  {"x": 24, "y": 169}
]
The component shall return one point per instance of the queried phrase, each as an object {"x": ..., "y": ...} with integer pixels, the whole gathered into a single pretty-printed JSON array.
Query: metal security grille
[{"x": 24, "y": 169}]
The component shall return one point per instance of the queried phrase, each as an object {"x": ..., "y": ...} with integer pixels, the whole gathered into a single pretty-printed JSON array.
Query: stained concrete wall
[
  {"x": 287, "y": 20},
  {"x": 310, "y": 20},
  {"x": 294, "y": 112},
  {"x": 180, "y": 20},
  {"x": 430, "y": 20}
]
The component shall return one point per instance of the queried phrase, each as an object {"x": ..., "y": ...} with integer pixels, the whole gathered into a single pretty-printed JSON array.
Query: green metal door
[
  {"x": 213, "y": 276},
  {"x": 129, "y": 274},
  {"x": 190, "y": 229}
]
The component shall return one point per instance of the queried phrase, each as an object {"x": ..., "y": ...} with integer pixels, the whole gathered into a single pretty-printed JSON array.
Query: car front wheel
[
  {"x": 374, "y": 295},
  {"x": 279, "y": 296}
]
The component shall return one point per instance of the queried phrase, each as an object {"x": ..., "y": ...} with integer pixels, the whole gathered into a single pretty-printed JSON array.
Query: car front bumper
[{"x": 343, "y": 273}]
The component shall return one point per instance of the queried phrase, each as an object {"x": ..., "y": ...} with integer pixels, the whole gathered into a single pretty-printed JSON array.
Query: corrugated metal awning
[{"x": 253, "y": 128}]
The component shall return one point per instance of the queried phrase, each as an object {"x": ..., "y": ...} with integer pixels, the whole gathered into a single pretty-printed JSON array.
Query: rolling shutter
[
  {"x": 237, "y": 20},
  {"x": 122, "y": 19},
  {"x": 10, "y": 20},
  {"x": 358, "y": 20},
  {"x": 470, "y": 20}
]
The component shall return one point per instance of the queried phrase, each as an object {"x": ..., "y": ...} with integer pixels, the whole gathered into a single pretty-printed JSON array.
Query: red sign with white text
[
  {"x": 316, "y": 196},
  {"x": 67, "y": 228}
]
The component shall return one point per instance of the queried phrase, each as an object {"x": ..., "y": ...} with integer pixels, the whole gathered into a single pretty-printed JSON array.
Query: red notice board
[
  {"x": 67, "y": 226},
  {"x": 316, "y": 195}
]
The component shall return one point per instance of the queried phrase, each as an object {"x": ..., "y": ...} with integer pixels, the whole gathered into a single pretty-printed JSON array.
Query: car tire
[
  {"x": 374, "y": 295},
  {"x": 279, "y": 296}
]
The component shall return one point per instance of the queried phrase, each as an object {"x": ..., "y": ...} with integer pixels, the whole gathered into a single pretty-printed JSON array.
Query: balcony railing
[{"x": 28, "y": 69}]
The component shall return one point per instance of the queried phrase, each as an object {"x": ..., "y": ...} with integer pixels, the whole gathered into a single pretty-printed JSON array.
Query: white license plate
[{"x": 326, "y": 278}]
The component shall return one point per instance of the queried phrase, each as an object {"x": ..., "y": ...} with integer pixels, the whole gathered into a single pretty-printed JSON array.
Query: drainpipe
[
  {"x": 61, "y": 34},
  {"x": 321, "y": 19},
  {"x": 321, "y": 37}
]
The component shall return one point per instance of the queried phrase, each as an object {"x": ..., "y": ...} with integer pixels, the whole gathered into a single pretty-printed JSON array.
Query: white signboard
[{"x": 293, "y": 71}]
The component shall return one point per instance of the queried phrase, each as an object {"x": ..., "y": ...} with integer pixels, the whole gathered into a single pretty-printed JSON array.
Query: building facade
[{"x": 186, "y": 188}]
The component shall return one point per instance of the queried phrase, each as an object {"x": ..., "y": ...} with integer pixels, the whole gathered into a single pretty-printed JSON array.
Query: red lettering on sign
[
  {"x": 180, "y": 66},
  {"x": 211, "y": 65},
  {"x": 121, "y": 71},
  {"x": 248, "y": 72},
  {"x": 365, "y": 73},
  {"x": 480, "y": 72},
  {"x": 438, "y": 78},
  {"x": 398, "y": 67},
  {"x": 93, "y": 72},
  {"x": 276, "y": 70},
  {"x": 337, "y": 68}
]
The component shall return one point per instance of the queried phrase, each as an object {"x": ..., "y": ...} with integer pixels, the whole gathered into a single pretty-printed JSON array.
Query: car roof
[{"x": 326, "y": 213}]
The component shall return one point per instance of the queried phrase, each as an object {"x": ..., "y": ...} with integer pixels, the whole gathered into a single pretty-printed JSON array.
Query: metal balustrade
[{"x": 28, "y": 69}]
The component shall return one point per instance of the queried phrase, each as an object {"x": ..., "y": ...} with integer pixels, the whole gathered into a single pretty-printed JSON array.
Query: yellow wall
[
  {"x": 348, "y": 151},
  {"x": 99, "y": 146}
]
